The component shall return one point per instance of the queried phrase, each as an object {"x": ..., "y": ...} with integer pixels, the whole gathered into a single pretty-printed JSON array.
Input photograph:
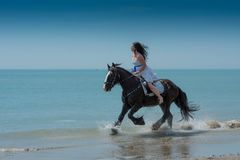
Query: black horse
[{"x": 134, "y": 98}]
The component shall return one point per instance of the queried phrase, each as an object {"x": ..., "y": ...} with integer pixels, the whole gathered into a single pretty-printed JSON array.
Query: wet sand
[
  {"x": 178, "y": 144},
  {"x": 221, "y": 157}
]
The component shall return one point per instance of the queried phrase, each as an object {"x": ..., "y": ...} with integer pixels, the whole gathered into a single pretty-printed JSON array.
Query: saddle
[{"x": 147, "y": 90}]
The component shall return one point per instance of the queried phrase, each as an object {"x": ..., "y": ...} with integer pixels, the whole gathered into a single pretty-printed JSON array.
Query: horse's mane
[
  {"x": 123, "y": 69},
  {"x": 117, "y": 66}
]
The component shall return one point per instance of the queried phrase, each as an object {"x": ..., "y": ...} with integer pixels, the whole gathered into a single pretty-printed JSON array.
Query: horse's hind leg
[
  {"x": 136, "y": 121},
  {"x": 166, "y": 113},
  {"x": 169, "y": 119}
]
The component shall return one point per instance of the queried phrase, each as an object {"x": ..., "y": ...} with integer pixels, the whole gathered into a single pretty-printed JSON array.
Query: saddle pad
[{"x": 158, "y": 84}]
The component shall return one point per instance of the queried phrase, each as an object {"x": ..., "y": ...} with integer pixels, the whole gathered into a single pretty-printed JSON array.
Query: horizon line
[{"x": 106, "y": 68}]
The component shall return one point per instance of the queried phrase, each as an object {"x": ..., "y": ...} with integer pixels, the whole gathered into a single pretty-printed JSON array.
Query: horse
[{"x": 134, "y": 97}]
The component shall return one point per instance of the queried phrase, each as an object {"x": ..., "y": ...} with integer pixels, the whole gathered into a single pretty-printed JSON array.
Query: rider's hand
[{"x": 136, "y": 73}]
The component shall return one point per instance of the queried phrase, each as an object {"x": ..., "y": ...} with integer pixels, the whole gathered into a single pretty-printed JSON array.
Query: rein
[
  {"x": 126, "y": 78},
  {"x": 139, "y": 86},
  {"x": 134, "y": 90}
]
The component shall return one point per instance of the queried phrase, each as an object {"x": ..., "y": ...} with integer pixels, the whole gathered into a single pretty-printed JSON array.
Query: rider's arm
[{"x": 142, "y": 61}]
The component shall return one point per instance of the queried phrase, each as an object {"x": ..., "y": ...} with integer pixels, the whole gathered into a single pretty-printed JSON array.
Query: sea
[{"x": 66, "y": 114}]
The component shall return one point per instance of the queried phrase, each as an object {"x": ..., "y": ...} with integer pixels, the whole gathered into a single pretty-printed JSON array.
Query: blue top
[{"x": 137, "y": 65}]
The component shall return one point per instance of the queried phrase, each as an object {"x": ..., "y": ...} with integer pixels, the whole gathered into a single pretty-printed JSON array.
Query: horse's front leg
[
  {"x": 125, "y": 109},
  {"x": 136, "y": 121}
]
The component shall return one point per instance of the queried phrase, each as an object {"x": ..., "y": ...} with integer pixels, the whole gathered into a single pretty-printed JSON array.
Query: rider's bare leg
[{"x": 156, "y": 92}]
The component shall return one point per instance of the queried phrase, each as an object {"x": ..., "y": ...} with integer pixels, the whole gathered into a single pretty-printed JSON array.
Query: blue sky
[{"x": 71, "y": 34}]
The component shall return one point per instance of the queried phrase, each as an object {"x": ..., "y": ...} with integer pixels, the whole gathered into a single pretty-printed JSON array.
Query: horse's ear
[
  {"x": 108, "y": 67},
  {"x": 118, "y": 64},
  {"x": 113, "y": 65}
]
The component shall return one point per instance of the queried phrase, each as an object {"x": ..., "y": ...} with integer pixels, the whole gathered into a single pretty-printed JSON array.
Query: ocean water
[{"x": 49, "y": 112}]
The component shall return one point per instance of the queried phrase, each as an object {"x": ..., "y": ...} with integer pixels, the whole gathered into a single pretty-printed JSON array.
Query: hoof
[
  {"x": 117, "y": 124},
  {"x": 139, "y": 121},
  {"x": 155, "y": 126},
  {"x": 114, "y": 131}
]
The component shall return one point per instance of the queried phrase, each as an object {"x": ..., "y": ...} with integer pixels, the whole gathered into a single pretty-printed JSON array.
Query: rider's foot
[{"x": 160, "y": 99}]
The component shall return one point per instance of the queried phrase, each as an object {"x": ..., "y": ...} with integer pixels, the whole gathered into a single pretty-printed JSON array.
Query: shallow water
[{"x": 130, "y": 143}]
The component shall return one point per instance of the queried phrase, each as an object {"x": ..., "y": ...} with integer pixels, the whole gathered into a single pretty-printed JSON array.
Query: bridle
[
  {"x": 123, "y": 81},
  {"x": 113, "y": 81},
  {"x": 115, "y": 77}
]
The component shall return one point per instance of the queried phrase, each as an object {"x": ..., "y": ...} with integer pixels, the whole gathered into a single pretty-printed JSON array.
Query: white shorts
[{"x": 159, "y": 86}]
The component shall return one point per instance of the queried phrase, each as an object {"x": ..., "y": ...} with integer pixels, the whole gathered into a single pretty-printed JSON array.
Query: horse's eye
[{"x": 111, "y": 72}]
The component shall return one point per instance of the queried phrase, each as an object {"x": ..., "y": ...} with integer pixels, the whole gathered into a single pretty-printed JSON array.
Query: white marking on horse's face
[
  {"x": 104, "y": 84},
  {"x": 109, "y": 72}
]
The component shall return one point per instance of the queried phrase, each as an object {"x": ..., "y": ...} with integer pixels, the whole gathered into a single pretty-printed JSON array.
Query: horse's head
[{"x": 112, "y": 77}]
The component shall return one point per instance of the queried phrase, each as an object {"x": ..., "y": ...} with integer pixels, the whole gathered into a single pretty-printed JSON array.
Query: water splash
[{"x": 190, "y": 126}]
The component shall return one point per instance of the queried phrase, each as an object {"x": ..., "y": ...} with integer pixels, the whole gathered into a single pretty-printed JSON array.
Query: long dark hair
[{"x": 141, "y": 48}]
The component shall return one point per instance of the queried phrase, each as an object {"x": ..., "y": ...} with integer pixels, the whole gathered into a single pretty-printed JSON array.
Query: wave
[
  {"x": 211, "y": 124},
  {"x": 64, "y": 133},
  {"x": 13, "y": 150}
]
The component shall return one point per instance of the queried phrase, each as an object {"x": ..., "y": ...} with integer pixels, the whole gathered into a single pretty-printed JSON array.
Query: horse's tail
[{"x": 186, "y": 109}]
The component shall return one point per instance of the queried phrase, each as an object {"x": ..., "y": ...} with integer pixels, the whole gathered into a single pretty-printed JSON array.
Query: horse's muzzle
[{"x": 106, "y": 88}]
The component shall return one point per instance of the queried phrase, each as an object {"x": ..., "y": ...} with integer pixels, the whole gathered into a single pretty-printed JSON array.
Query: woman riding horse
[
  {"x": 134, "y": 98},
  {"x": 139, "y": 56}
]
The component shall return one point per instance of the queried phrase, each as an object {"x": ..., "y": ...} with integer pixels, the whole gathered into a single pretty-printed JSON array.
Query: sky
[{"x": 77, "y": 34}]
